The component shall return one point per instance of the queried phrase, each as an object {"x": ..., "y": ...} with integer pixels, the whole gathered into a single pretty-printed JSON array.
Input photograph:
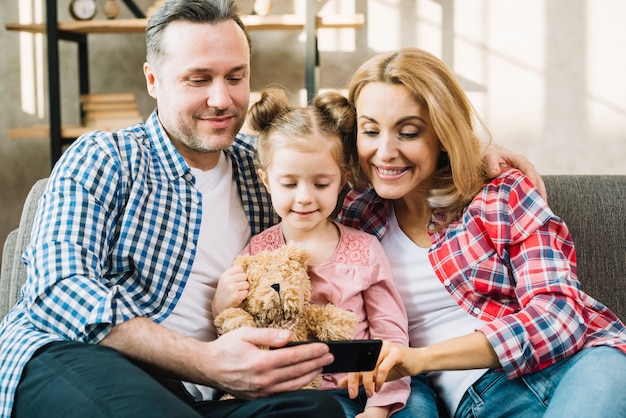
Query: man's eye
[
  {"x": 235, "y": 80},
  {"x": 196, "y": 81}
]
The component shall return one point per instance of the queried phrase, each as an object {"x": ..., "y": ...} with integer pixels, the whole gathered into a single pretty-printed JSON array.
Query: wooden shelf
[
  {"x": 68, "y": 132},
  {"x": 78, "y": 31},
  {"x": 276, "y": 22}
]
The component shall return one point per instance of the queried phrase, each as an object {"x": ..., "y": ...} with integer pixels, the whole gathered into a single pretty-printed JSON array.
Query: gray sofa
[{"x": 594, "y": 207}]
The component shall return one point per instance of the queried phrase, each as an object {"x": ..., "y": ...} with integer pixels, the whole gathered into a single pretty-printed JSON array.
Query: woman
[{"x": 498, "y": 325}]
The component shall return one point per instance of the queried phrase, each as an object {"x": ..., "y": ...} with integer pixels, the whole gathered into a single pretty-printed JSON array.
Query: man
[
  {"x": 131, "y": 236},
  {"x": 132, "y": 233}
]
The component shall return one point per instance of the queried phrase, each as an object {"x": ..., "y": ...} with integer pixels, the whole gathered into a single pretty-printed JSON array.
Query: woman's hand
[
  {"x": 232, "y": 289},
  {"x": 471, "y": 351},
  {"x": 394, "y": 361}
]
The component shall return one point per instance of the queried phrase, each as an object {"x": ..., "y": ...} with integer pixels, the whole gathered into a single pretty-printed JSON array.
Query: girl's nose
[{"x": 303, "y": 194}]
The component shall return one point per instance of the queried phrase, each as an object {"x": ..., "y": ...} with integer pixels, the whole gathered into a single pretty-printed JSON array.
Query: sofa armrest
[
  {"x": 8, "y": 253},
  {"x": 13, "y": 271}
]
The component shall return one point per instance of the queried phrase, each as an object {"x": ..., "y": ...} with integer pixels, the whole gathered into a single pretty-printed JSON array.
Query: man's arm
[{"x": 233, "y": 363}]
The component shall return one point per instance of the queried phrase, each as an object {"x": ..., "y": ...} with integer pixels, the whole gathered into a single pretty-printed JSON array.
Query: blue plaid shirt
[{"x": 113, "y": 239}]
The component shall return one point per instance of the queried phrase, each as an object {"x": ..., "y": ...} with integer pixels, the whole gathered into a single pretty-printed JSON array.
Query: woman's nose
[{"x": 387, "y": 148}]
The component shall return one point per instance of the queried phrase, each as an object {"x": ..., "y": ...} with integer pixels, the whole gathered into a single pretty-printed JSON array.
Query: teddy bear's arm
[
  {"x": 331, "y": 322},
  {"x": 233, "y": 318}
]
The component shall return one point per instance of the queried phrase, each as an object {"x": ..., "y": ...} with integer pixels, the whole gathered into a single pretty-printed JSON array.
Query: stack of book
[{"x": 109, "y": 111}]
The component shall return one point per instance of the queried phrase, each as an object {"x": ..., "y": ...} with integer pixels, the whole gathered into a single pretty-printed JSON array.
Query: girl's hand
[{"x": 232, "y": 289}]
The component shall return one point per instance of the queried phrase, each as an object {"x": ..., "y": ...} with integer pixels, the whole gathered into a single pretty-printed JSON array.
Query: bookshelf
[{"x": 78, "y": 32}]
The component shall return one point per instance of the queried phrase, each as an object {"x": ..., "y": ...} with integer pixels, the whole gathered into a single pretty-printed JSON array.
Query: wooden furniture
[{"x": 78, "y": 31}]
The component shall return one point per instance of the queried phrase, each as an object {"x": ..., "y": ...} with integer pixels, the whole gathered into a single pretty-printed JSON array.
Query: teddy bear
[{"x": 279, "y": 297}]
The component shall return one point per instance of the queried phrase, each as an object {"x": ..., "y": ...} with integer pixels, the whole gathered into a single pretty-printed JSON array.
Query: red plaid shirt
[{"x": 510, "y": 261}]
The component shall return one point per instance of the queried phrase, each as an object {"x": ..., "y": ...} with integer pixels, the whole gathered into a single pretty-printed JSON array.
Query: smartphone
[{"x": 350, "y": 355}]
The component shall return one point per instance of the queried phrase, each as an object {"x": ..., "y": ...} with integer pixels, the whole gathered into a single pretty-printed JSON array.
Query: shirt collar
[{"x": 173, "y": 163}]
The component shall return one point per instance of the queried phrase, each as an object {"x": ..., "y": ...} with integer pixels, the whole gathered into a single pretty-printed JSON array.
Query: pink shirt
[{"x": 357, "y": 277}]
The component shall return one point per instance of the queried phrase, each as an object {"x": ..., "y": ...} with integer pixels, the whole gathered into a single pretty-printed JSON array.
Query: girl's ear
[{"x": 263, "y": 175}]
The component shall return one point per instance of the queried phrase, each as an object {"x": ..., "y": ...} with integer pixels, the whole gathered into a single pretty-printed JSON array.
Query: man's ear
[
  {"x": 263, "y": 175},
  {"x": 151, "y": 79}
]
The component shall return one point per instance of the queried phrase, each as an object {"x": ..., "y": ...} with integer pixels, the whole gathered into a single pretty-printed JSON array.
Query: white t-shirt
[
  {"x": 224, "y": 231},
  {"x": 433, "y": 314}
]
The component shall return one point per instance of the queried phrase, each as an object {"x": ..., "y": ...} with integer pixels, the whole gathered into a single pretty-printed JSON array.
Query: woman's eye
[
  {"x": 409, "y": 135},
  {"x": 367, "y": 132}
]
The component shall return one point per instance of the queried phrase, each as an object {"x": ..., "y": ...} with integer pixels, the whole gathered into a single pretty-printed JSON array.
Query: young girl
[{"x": 302, "y": 163}]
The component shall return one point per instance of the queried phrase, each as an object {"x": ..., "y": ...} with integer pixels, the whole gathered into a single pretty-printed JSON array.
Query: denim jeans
[
  {"x": 69, "y": 379},
  {"x": 591, "y": 383}
]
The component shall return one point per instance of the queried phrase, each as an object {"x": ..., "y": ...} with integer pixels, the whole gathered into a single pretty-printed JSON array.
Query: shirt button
[
  {"x": 195, "y": 199},
  {"x": 188, "y": 177},
  {"x": 192, "y": 246},
  {"x": 581, "y": 320},
  {"x": 476, "y": 311},
  {"x": 171, "y": 294},
  {"x": 446, "y": 282}
]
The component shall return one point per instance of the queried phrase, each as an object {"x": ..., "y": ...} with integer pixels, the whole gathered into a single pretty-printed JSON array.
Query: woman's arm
[{"x": 471, "y": 351}]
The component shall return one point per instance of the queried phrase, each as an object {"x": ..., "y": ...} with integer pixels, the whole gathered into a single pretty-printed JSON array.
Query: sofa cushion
[{"x": 594, "y": 209}]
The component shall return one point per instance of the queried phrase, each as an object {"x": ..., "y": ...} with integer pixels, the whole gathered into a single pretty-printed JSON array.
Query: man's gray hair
[{"x": 192, "y": 11}]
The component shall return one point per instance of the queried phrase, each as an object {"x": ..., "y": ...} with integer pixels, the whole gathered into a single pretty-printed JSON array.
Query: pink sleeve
[{"x": 387, "y": 320}]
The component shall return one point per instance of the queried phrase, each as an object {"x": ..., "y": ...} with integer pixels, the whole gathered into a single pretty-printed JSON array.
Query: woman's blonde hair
[
  {"x": 461, "y": 172},
  {"x": 326, "y": 124}
]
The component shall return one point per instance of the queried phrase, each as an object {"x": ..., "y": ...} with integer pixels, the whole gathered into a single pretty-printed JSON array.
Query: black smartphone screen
[{"x": 350, "y": 355}]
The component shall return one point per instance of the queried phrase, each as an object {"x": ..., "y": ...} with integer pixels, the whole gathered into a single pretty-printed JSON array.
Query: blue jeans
[
  {"x": 591, "y": 383},
  {"x": 70, "y": 379},
  {"x": 421, "y": 404},
  {"x": 423, "y": 401}
]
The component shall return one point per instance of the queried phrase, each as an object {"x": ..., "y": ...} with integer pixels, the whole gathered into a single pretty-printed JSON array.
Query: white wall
[{"x": 547, "y": 76}]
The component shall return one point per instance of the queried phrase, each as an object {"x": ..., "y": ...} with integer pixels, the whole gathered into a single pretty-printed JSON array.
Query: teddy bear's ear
[
  {"x": 297, "y": 253},
  {"x": 243, "y": 261}
]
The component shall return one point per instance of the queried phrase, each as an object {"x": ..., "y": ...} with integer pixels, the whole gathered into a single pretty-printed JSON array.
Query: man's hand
[
  {"x": 498, "y": 159},
  {"x": 234, "y": 362},
  {"x": 232, "y": 289},
  {"x": 238, "y": 366}
]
